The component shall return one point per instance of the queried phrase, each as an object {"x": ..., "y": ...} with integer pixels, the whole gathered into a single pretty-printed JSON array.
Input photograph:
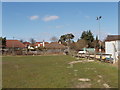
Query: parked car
[{"x": 82, "y": 52}]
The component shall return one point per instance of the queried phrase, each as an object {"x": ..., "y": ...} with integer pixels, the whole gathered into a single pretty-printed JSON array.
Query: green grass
[{"x": 54, "y": 72}]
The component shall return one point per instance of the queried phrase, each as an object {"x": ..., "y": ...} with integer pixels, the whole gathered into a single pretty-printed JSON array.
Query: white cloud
[
  {"x": 50, "y": 18},
  {"x": 35, "y": 17}
]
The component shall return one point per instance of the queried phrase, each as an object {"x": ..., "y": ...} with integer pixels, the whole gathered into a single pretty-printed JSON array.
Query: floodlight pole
[
  {"x": 100, "y": 50},
  {"x": 99, "y": 36},
  {"x": 13, "y": 45}
]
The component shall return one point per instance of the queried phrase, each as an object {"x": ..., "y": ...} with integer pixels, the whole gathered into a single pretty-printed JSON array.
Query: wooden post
[{"x": 95, "y": 55}]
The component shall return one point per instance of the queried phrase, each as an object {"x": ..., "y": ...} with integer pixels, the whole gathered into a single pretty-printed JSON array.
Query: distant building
[
  {"x": 36, "y": 45},
  {"x": 40, "y": 44},
  {"x": 55, "y": 47},
  {"x": 112, "y": 46},
  {"x": 14, "y": 44},
  {"x": 26, "y": 44},
  {"x": 14, "y": 47}
]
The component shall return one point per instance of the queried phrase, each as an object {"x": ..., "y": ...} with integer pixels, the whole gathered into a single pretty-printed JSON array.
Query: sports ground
[{"x": 56, "y": 72}]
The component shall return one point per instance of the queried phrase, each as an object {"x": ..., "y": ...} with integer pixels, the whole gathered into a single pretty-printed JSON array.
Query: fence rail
[{"x": 101, "y": 57}]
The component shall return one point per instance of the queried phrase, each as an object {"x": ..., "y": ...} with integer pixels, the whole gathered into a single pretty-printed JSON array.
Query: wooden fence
[{"x": 100, "y": 57}]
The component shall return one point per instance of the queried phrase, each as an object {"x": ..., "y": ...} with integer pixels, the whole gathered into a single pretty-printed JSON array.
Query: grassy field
[{"x": 55, "y": 72}]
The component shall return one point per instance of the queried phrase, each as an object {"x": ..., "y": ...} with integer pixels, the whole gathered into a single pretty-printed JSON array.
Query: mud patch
[
  {"x": 99, "y": 76},
  {"x": 98, "y": 81},
  {"x": 106, "y": 85},
  {"x": 84, "y": 79},
  {"x": 73, "y": 62},
  {"x": 83, "y": 85}
]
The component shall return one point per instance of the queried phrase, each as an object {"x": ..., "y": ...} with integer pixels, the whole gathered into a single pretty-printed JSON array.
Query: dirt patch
[
  {"x": 83, "y": 85},
  {"x": 73, "y": 62},
  {"x": 95, "y": 71},
  {"x": 98, "y": 81},
  {"x": 84, "y": 79},
  {"x": 99, "y": 76},
  {"x": 106, "y": 85}
]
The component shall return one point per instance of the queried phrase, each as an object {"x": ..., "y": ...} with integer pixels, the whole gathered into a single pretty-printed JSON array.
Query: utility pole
[
  {"x": 100, "y": 50},
  {"x": 13, "y": 46}
]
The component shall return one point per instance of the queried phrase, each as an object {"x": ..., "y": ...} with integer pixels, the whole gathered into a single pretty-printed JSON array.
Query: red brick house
[
  {"x": 14, "y": 43},
  {"x": 14, "y": 47},
  {"x": 26, "y": 44}
]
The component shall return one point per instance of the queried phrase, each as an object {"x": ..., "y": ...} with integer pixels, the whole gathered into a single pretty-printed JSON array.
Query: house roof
[
  {"x": 28, "y": 43},
  {"x": 36, "y": 44},
  {"x": 41, "y": 43},
  {"x": 55, "y": 45},
  {"x": 14, "y": 43},
  {"x": 46, "y": 42},
  {"x": 112, "y": 38}
]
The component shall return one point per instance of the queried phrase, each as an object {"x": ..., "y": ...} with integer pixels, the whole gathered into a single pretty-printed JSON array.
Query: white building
[{"x": 112, "y": 46}]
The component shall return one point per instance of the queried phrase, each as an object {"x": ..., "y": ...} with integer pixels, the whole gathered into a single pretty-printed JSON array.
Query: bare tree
[
  {"x": 21, "y": 40},
  {"x": 32, "y": 41},
  {"x": 54, "y": 39}
]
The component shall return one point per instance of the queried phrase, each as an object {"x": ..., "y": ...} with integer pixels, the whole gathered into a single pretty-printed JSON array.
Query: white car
[{"x": 82, "y": 52}]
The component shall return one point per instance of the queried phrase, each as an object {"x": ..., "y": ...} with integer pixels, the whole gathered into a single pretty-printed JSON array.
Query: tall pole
[
  {"x": 100, "y": 49},
  {"x": 99, "y": 36},
  {"x": 13, "y": 45}
]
